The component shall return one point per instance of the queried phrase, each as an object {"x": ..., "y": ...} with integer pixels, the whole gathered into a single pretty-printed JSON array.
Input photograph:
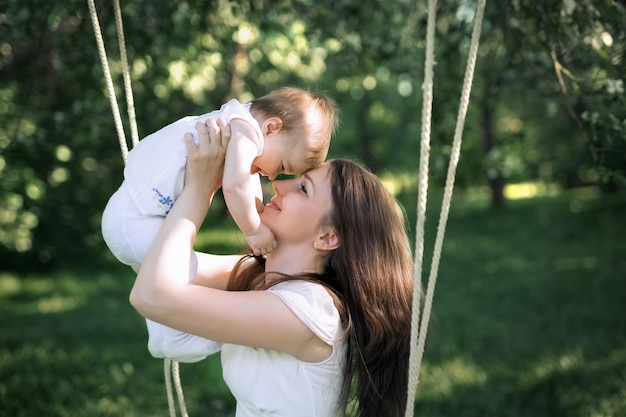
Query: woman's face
[{"x": 295, "y": 210}]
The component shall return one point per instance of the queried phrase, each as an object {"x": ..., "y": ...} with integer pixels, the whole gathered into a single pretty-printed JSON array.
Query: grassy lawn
[{"x": 529, "y": 320}]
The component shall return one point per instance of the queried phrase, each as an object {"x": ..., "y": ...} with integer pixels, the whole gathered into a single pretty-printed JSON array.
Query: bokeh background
[{"x": 529, "y": 311}]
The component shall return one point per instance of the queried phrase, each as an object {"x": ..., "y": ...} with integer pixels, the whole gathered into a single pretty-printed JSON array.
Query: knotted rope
[
  {"x": 419, "y": 327},
  {"x": 171, "y": 368}
]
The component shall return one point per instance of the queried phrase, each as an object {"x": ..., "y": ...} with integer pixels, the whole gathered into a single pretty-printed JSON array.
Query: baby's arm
[{"x": 238, "y": 190}]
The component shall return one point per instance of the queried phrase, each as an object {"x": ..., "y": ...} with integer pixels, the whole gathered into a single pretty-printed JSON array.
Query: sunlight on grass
[
  {"x": 37, "y": 295},
  {"x": 552, "y": 365},
  {"x": 575, "y": 263},
  {"x": 121, "y": 374},
  {"x": 530, "y": 190},
  {"x": 441, "y": 381},
  {"x": 576, "y": 370},
  {"x": 9, "y": 285},
  {"x": 396, "y": 183},
  {"x": 117, "y": 405},
  {"x": 55, "y": 304}
]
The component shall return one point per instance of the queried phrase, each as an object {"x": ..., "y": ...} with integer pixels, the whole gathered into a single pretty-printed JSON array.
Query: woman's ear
[
  {"x": 326, "y": 240},
  {"x": 272, "y": 125}
]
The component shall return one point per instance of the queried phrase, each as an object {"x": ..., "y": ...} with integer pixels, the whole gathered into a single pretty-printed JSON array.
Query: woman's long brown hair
[{"x": 371, "y": 275}]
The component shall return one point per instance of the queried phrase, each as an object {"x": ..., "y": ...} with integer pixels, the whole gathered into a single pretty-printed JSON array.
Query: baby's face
[{"x": 281, "y": 155}]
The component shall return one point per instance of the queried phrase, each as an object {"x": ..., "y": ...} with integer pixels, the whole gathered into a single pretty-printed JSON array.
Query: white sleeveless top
[{"x": 269, "y": 383}]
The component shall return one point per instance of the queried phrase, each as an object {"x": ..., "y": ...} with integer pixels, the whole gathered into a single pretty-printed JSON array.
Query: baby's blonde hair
[{"x": 313, "y": 116}]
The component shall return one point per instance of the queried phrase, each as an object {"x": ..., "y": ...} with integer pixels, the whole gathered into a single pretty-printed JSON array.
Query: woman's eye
[{"x": 302, "y": 188}]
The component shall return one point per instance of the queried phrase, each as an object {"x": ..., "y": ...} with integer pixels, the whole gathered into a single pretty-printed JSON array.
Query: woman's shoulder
[
  {"x": 300, "y": 286},
  {"x": 312, "y": 294},
  {"x": 313, "y": 304}
]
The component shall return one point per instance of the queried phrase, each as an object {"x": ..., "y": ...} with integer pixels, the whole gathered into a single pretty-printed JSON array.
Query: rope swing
[
  {"x": 170, "y": 367},
  {"x": 109, "y": 80},
  {"x": 419, "y": 327}
]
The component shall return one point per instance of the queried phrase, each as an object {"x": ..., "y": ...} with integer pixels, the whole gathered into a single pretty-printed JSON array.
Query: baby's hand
[{"x": 262, "y": 241}]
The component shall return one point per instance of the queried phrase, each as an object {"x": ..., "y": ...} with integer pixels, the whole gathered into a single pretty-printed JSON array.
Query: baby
[{"x": 287, "y": 131}]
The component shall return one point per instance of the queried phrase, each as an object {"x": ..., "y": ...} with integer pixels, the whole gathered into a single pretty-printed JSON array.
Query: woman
[{"x": 325, "y": 316}]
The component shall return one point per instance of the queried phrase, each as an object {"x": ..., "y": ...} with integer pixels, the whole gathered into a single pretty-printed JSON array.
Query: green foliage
[
  {"x": 573, "y": 53},
  {"x": 59, "y": 157}
]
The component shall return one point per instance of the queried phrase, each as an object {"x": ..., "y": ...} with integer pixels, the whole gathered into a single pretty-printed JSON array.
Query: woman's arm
[
  {"x": 214, "y": 270},
  {"x": 163, "y": 268}
]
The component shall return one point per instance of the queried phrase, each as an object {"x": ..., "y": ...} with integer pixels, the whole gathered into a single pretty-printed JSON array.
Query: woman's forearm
[
  {"x": 166, "y": 266},
  {"x": 165, "y": 269}
]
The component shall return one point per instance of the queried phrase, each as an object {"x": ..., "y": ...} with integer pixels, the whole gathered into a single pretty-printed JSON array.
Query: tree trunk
[{"x": 495, "y": 180}]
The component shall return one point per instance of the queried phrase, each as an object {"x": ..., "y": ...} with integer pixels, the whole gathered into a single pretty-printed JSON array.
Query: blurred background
[{"x": 529, "y": 313}]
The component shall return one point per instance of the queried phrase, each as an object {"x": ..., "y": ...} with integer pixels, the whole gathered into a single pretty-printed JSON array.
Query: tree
[
  {"x": 547, "y": 101},
  {"x": 561, "y": 58}
]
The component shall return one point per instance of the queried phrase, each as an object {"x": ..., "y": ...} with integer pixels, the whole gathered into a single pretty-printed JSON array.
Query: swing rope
[
  {"x": 420, "y": 327},
  {"x": 167, "y": 374},
  {"x": 130, "y": 103},
  {"x": 171, "y": 367},
  {"x": 172, "y": 371},
  {"x": 109, "y": 81},
  {"x": 415, "y": 354}
]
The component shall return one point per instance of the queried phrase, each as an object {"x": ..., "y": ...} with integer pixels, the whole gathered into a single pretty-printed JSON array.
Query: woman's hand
[
  {"x": 205, "y": 161},
  {"x": 164, "y": 273}
]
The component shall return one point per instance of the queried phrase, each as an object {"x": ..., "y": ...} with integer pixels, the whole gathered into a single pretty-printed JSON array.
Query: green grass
[
  {"x": 71, "y": 345},
  {"x": 529, "y": 320},
  {"x": 529, "y": 315}
]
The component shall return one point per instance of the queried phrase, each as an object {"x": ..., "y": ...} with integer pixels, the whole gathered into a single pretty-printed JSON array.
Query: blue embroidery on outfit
[{"x": 164, "y": 200}]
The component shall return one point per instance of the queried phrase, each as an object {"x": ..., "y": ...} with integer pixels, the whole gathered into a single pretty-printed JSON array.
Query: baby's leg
[{"x": 127, "y": 232}]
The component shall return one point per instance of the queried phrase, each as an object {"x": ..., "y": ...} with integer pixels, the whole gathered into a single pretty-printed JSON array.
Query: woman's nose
[
  {"x": 278, "y": 186},
  {"x": 282, "y": 186}
]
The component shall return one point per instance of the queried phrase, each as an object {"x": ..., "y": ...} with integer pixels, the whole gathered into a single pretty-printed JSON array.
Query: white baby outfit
[{"x": 154, "y": 177}]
